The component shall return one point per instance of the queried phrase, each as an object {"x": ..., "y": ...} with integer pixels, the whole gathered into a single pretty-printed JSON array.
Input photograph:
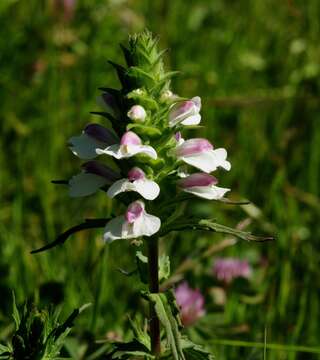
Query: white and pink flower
[
  {"x": 202, "y": 185},
  {"x": 136, "y": 181},
  {"x": 94, "y": 136},
  {"x": 135, "y": 223},
  {"x": 130, "y": 145},
  {"x": 199, "y": 153},
  {"x": 185, "y": 112}
]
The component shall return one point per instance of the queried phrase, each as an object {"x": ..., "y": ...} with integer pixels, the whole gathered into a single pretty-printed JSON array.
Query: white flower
[
  {"x": 94, "y": 136},
  {"x": 202, "y": 185},
  {"x": 93, "y": 177},
  {"x": 185, "y": 112},
  {"x": 133, "y": 224},
  {"x": 137, "y": 113},
  {"x": 130, "y": 145},
  {"x": 136, "y": 181},
  {"x": 200, "y": 154}
]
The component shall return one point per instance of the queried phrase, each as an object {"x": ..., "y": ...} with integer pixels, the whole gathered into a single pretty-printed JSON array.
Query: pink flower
[
  {"x": 228, "y": 269},
  {"x": 191, "y": 303},
  {"x": 202, "y": 185},
  {"x": 199, "y": 153},
  {"x": 185, "y": 112}
]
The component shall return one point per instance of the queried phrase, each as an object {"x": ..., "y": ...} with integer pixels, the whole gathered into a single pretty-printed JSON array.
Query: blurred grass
[{"x": 256, "y": 66}]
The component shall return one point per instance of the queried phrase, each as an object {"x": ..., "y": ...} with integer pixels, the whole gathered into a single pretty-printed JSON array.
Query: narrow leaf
[
  {"x": 88, "y": 224},
  {"x": 170, "y": 324}
]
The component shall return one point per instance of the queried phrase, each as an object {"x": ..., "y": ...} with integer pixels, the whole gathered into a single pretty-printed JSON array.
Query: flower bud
[
  {"x": 137, "y": 113},
  {"x": 130, "y": 138}
]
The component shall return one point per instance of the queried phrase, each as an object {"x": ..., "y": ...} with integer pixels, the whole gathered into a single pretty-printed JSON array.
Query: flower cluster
[
  {"x": 190, "y": 302},
  {"x": 228, "y": 269},
  {"x": 146, "y": 146}
]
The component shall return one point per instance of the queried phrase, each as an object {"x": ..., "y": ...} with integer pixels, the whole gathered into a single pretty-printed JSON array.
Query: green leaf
[
  {"x": 169, "y": 323},
  {"x": 144, "y": 129},
  {"x": 137, "y": 72},
  {"x": 15, "y": 312},
  {"x": 140, "y": 334},
  {"x": 195, "y": 352},
  {"x": 164, "y": 267},
  {"x": 209, "y": 225},
  {"x": 126, "y": 350},
  {"x": 88, "y": 224},
  {"x": 142, "y": 265},
  {"x": 244, "y": 235}
]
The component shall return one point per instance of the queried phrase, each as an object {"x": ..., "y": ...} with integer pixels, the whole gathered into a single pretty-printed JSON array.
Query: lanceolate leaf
[
  {"x": 210, "y": 225},
  {"x": 169, "y": 323},
  {"x": 88, "y": 224}
]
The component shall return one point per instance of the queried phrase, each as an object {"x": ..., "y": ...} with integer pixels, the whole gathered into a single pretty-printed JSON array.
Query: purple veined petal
[
  {"x": 130, "y": 138},
  {"x": 134, "y": 211},
  {"x": 136, "y": 174},
  {"x": 193, "y": 146},
  {"x": 95, "y": 167},
  {"x": 101, "y": 134},
  {"x": 197, "y": 179},
  {"x": 137, "y": 113}
]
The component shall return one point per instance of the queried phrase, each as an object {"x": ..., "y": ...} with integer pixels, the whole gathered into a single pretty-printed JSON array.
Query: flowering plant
[{"x": 155, "y": 169}]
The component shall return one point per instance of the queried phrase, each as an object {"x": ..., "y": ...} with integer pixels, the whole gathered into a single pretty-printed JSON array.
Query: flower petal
[
  {"x": 192, "y": 120},
  {"x": 85, "y": 184},
  {"x": 126, "y": 151},
  {"x": 208, "y": 161},
  {"x": 146, "y": 225},
  {"x": 114, "y": 229},
  {"x": 84, "y": 146},
  {"x": 147, "y": 188},
  {"x": 207, "y": 192},
  {"x": 119, "y": 187}
]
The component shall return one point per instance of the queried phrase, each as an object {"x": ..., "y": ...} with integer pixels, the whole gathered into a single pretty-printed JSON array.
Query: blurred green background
[{"x": 256, "y": 66}]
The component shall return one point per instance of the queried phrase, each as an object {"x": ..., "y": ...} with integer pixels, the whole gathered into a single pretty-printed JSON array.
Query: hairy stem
[{"x": 153, "y": 255}]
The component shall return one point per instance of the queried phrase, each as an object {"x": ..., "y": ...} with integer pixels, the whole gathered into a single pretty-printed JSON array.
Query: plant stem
[{"x": 153, "y": 255}]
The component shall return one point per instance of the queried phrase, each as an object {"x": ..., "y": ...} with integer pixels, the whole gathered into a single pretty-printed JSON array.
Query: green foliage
[{"x": 38, "y": 334}]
